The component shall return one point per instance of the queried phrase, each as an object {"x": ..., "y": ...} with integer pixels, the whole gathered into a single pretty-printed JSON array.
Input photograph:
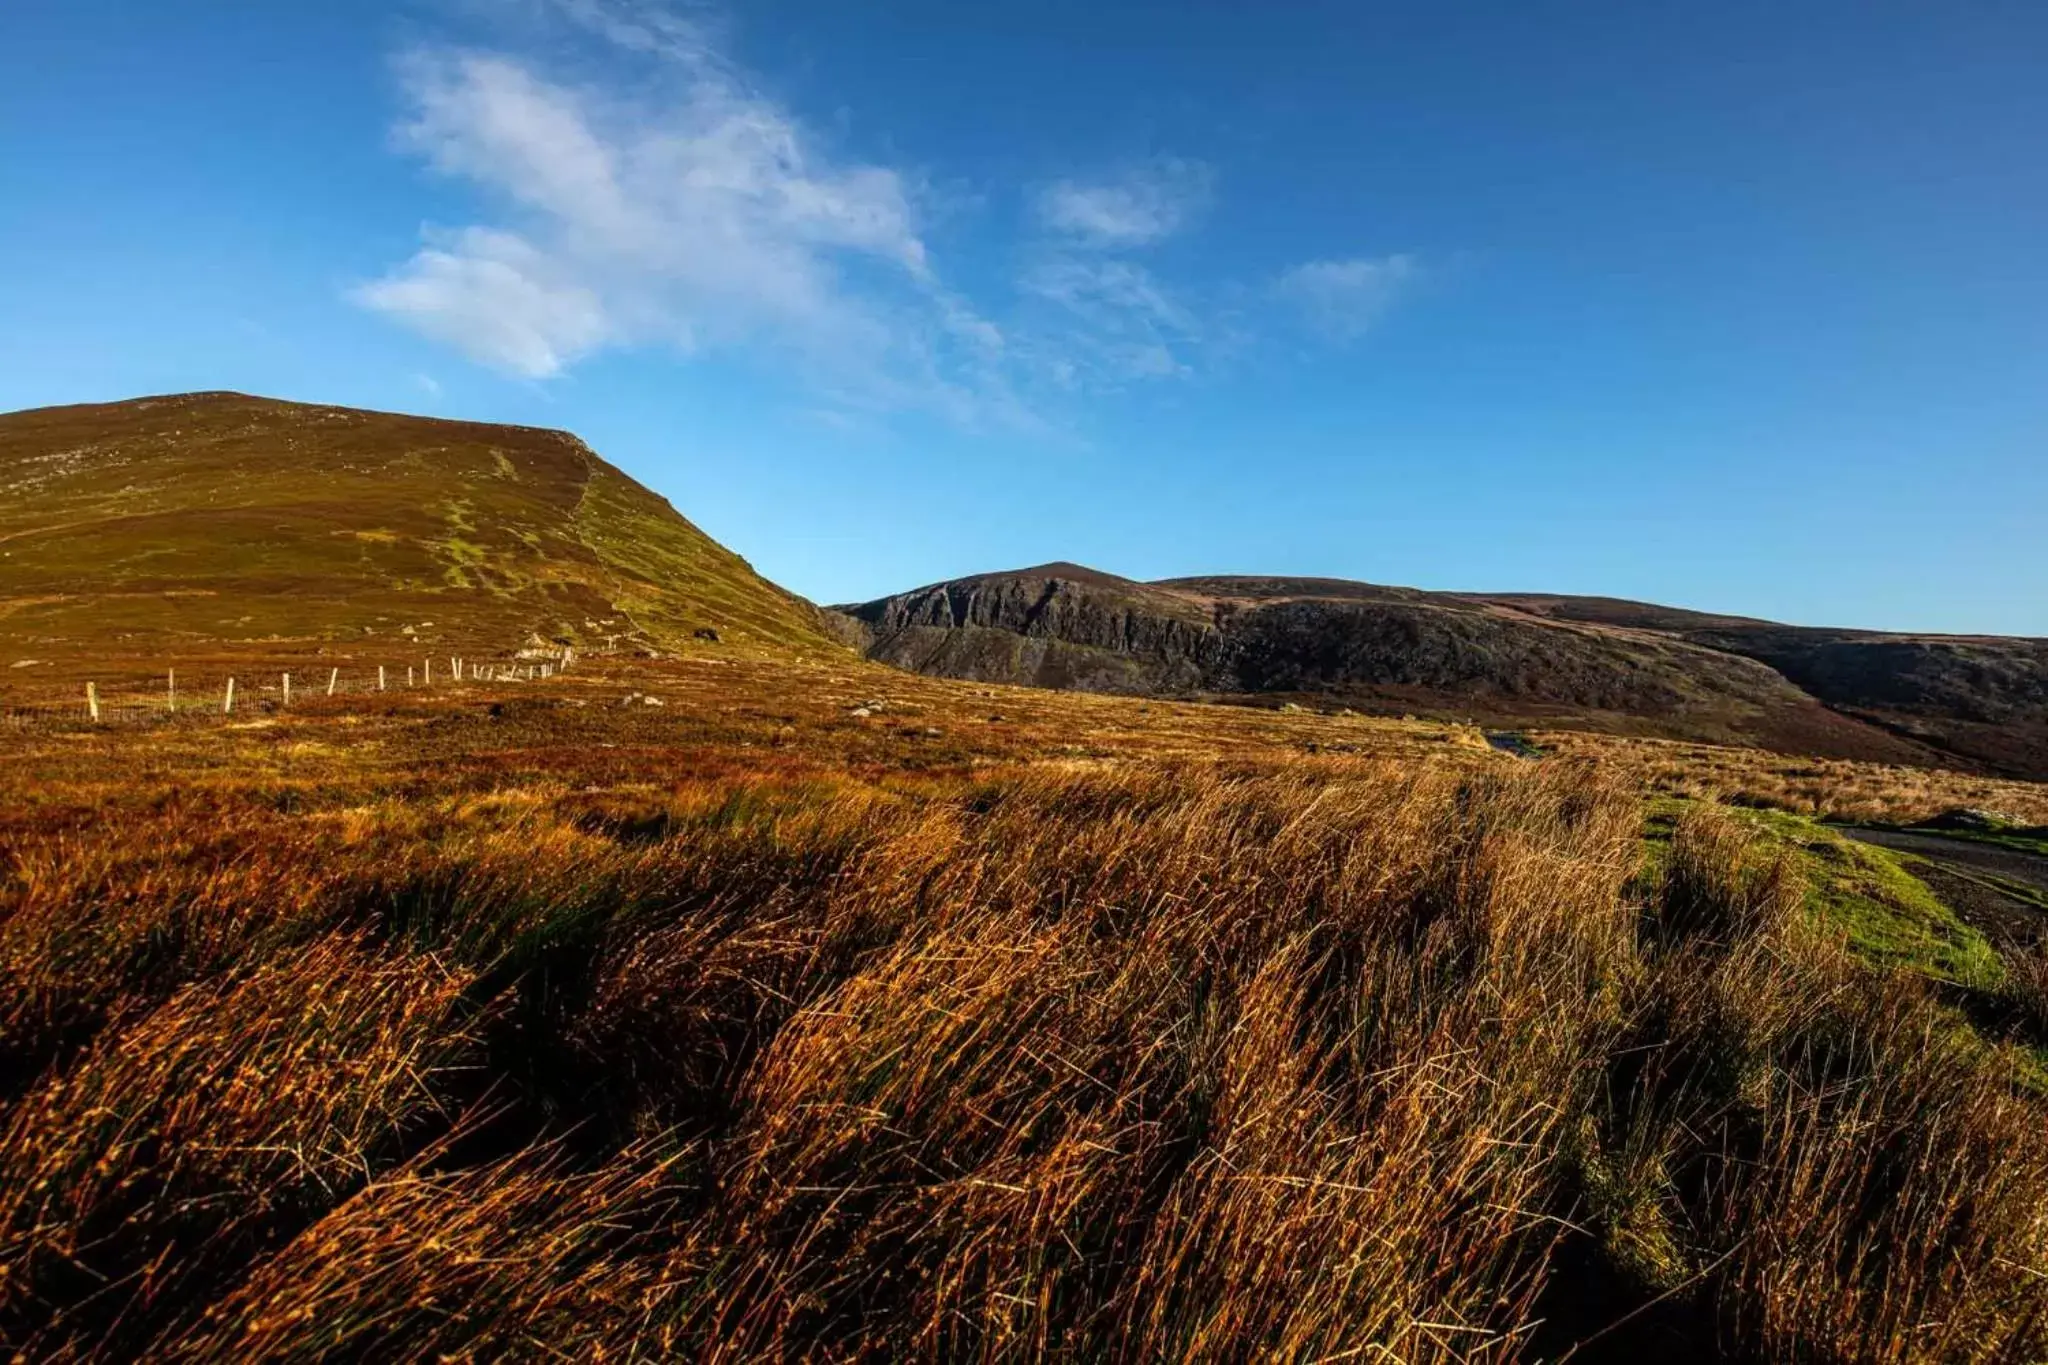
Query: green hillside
[{"x": 218, "y": 518}]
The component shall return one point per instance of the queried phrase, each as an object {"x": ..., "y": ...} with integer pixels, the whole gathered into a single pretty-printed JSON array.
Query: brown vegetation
[
  {"x": 518, "y": 1022},
  {"x": 1831, "y": 789}
]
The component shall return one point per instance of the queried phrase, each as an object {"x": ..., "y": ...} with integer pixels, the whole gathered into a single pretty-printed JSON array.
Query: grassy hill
[{"x": 221, "y": 519}]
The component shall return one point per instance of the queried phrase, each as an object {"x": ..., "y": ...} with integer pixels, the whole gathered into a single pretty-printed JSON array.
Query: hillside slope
[
  {"x": 222, "y": 518},
  {"x": 1984, "y": 698},
  {"x": 1501, "y": 659}
]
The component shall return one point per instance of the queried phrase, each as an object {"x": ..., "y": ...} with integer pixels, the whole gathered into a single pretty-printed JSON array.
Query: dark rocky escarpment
[
  {"x": 1510, "y": 659},
  {"x": 1057, "y": 625}
]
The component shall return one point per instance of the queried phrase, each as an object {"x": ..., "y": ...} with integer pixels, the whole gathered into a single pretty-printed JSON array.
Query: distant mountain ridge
[
  {"x": 1508, "y": 658},
  {"x": 190, "y": 519}
]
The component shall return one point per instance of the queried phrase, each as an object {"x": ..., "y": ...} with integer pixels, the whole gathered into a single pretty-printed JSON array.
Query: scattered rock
[
  {"x": 860, "y": 713},
  {"x": 705, "y": 633}
]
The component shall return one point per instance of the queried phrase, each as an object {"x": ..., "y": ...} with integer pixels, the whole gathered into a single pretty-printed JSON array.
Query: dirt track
[{"x": 1958, "y": 871}]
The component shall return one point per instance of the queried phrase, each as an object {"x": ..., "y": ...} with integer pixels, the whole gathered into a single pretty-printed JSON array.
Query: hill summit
[{"x": 223, "y": 518}]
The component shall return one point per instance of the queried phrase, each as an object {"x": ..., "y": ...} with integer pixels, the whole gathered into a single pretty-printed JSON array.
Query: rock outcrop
[{"x": 1511, "y": 659}]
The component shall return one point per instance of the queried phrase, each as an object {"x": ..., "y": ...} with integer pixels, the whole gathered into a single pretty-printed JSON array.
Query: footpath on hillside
[{"x": 2000, "y": 889}]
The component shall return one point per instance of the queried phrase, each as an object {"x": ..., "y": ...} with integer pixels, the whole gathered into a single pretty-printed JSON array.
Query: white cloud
[
  {"x": 1112, "y": 320},
  {"x": 658, "y": 198},
  {"x": 1135, "y": 209},
  {"x": 1116, "y": 322},
  {"x": 1344, "y": 298},
  {"x": 487, "y": 294},
  {"x": 703, "y": 216},
  {"x": 1107, "y": 293}
]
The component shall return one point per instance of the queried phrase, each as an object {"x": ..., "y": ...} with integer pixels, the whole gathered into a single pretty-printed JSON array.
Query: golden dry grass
[
  {"x": 744, "y": 1027},
  {"x": 1829, "y": 788}
]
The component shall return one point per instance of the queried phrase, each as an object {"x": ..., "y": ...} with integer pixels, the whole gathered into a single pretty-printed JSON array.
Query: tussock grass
[{"x": 1294, "y": 1059}]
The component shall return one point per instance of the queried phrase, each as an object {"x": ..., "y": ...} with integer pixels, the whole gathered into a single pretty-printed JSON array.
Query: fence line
[{"x": 486, "y": 671}]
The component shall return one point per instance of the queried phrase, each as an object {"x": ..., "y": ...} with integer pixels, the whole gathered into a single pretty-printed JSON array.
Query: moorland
[{"x": 664, "y": 979}]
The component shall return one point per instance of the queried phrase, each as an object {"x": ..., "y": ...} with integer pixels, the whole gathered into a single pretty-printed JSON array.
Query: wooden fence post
[
  {"x": 171, "y": 692},
  {"x": 429, "y": 674},
  {"x": 408, "y": 675},
  {"x": 332, "y": 674},
  {"x": 287, "y": 689},
  {"x": 227, "y": 707},
  {"x": 92, "y": 701},
  {"x": 380, "y": 677}
]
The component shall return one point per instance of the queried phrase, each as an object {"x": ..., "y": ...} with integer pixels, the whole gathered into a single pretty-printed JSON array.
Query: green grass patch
[{"x": 1891, "y": 917}]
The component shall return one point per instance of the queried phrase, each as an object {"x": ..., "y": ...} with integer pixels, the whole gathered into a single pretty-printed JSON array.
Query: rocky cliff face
[
  {"x": 1611, "y": 665},
  {"x": 1057, "y": 625}
]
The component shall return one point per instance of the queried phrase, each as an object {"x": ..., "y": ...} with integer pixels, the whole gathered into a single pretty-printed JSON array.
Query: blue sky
[{"x": 1740, "y": 306}]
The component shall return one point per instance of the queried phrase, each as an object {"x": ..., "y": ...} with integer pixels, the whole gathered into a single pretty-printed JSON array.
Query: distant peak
[
  {"x": 1065, "y": 567},
  {"x": 1062, "y": 568}
]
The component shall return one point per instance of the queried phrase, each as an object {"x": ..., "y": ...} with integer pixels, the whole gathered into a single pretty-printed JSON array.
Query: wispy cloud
[
  {"x": 648, "y": 193},
  {"x": 1104, "y": 320},
  {"x": 1116, "y": 322},
  {"x": 1137, "y": 208},
  {"x": 1343, "y": 299},
  {"x": 698, "y": 216}
]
